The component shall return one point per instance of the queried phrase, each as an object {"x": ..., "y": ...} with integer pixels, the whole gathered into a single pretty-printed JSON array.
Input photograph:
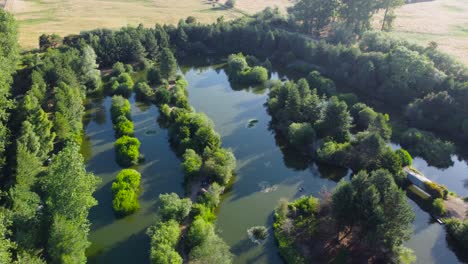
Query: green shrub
[
  {"x": 405, "y": 157},
  {"x": 118, "y": 68},
  {"x": 257, "y": 75},
  {"x": 173, "y": 207},
  {"x": 459, "y": 231},
  {"x": 198, "y": 232},
  {"x": 322, "y": 84},
  {"x": 120, "y": 107},
  {"x": 240, "y": 72},
  {"x": 438, "y": 207},
  {"x": 164, "y": 239},
  {"x": 126, "y": 188},
  {"x": 153, "y": 76},
  {"x": 203, "y": 211},
  {"x": 123, "y": 127},
  {"x": 144, "y": 91},
  {"x": 191, "y": 164},
  {"x": 301, "y": 135},
  {"x": 127, "y": 151},
  {"x": 125, "y": 86},
  {"x": 162, "y": 95}
]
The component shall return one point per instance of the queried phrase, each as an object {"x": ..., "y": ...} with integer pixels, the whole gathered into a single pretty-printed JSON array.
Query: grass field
[
  {"x": 443, "y": 21},
  {"x": 72, "y": 16}
]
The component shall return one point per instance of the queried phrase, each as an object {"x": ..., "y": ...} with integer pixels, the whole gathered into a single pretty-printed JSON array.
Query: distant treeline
[{"x": 429, "y": 87}]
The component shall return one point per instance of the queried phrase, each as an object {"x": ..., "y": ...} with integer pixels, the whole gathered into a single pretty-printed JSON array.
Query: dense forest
[{"x": 334, "y": 113}]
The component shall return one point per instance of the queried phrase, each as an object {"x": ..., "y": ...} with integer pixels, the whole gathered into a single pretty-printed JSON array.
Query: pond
[
  {"x": 123, "y": 240},
  {"x": 266, "y": 173}
]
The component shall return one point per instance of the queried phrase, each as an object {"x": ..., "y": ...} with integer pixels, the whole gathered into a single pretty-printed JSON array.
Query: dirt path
[{"x": 456, "y": 207}]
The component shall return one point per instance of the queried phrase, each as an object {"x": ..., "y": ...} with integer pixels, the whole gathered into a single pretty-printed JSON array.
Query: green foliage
[
  {"x": 173, "y": 207},
  {"x": 377, "y": 207},
  {"x": 434, "y": 150},
  {"x": 314, "y": 15},
  {"x": 120, "y": 107},
  {"x": 304, "y": 211},
  {"x": 144, "y": 91},
  {"x": 240, "y": 72},
  {"x": 68, "y": 112},
  {"x": 68, "y": 241},
  {"x": 201, "y": 210},
  {"x": 126, "y": 188},
  {"x": 36, "y": 130},
  {"x": 164, "y": 238},
  {"x": 405, "y": 157},
  {"x": 212, "y": 197},
  {"x": 123, "y": 85},
  {"x": 198, "y": 232},
  {"x": 284, "y": 235},
  {"x": 301, "y": 135},
  {"x": 219, "y": 165},
  {"x": 191, "y": 164},
  {"x": 194, "y": 131},
  {"x": 6, "y": 245},
  {"x": 68, "y": 192},
  {"x": 127, "y": 151},
  {"x": 118, "y": 68},
  {"x": 337, "y": 121},
  {"x": 49, "y": 41},
  {"x": 458, "y": 230},
  {"x": 123, "y": 127},
  {"x": 212, "y": 250},
  {"x": 153, "y": 76},
  {"x": 438, "y": 207},
  {"x": 167, "y": 64},
  {"x": 90, "y": 75}
]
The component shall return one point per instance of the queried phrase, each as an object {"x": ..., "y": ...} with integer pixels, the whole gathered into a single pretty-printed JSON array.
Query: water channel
[{"x": 266, "y": 173}]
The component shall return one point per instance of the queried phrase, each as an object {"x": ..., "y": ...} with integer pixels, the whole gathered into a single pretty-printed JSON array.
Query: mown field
[{"x": 443, "y": 21}]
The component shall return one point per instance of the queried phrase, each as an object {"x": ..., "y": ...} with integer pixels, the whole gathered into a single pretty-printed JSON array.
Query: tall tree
[
  {"x": 9, "y": 49},
  {"x": 167, "y": 64},
  {"x": 378, "y": 208},
  {"x": 314, "y": 15},
  {"x": 68, "y": 190},
  {"x": 389, "y": 6},
  {"x": 90, "y": 75}
]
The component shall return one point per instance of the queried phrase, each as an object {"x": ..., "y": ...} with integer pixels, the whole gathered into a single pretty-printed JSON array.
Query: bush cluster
[
  {"x": 126, "y": 189},
  {"x": 240, "y": 72},
  {"x": 126, "y": 146}
]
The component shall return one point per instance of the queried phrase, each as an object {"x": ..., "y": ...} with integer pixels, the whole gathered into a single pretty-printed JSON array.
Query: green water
[{"x": 266, "y": 173}]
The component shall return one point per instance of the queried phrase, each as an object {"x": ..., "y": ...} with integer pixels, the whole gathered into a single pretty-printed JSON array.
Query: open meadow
[
  {"x": 71, "y": 16},
  {"x": 442, "y": 21}
]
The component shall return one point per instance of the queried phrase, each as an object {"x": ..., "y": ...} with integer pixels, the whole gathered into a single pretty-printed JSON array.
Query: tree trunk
[{"x": 384, "y": 19}]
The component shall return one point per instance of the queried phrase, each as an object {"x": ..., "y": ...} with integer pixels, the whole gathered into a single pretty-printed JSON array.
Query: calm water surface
[
  {"x": 123, "y": 240},
  {"x": 265, "y": 174}
]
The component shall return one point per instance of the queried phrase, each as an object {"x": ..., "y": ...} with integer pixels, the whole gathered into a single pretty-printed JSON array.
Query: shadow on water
[
  {"x": 102, "y": 214},
  {"x": 125, "y": 250}
]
